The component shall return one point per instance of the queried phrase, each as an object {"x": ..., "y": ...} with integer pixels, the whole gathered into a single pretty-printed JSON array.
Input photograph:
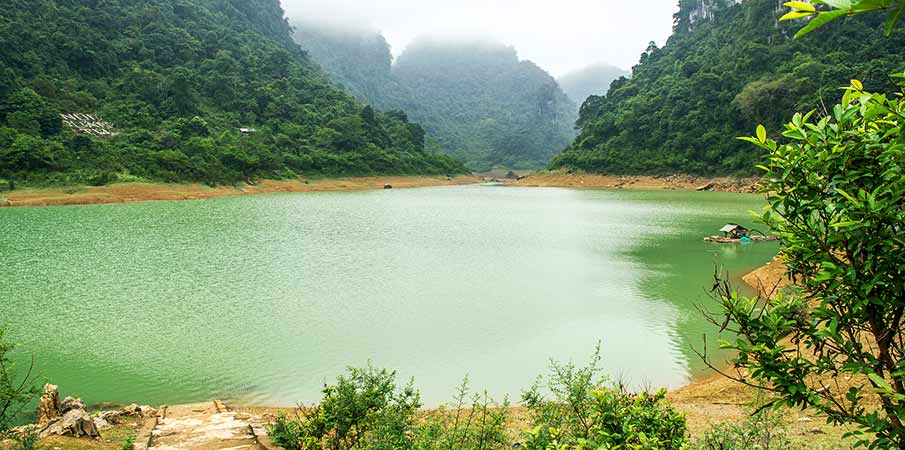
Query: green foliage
[
  {"x": 128, "y": 443},
  {"x": 720, "y": 77},
  {"x": 27, "y": 439},
  {"x": 586, "y": 411},
  {"x": 16, "y": 390},
  {"x": 480, "y": 103},
  {"x": 762, "y": 429},
  {"x": 178, "y": 80},
  {"x": 835, "y": 190},
  {"x": 471, "y": 422},
  {"x": 841, "y": 8},
  {"x": 363, "y": 410}
]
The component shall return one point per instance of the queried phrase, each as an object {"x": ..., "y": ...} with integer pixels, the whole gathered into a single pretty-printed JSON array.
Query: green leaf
[
  {"x": 821, "y": 20},
  {"x": 857, "y": 85},
  {"x": 801, "y": 6},
  {"x": 795, "y": 15},
  {"x": 761, "y": 134},
  {"x": 892, "y": 19}
]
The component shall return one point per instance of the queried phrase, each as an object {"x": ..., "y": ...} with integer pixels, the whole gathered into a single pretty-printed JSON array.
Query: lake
[{"x": 262, "y": 299}]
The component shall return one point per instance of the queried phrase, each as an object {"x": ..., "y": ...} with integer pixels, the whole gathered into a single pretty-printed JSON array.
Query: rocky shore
[{"x": 654, "y": 182}]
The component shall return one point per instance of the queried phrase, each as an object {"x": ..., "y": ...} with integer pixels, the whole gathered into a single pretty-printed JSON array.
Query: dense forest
[
  {"x": 213, "y": 91},
  {"x": 476, "y": 99},
  {"x": 727, "y": 68},
  {"x": 591, "y": 80}
]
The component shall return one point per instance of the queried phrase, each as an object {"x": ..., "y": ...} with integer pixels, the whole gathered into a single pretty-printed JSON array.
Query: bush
[
  {"x": 835, "y": 191},
  {"x": 764, "y": 429},
  {"x": 474, "y": 422},
  {"x": 588, "y": 411},
  {"x": 363, "y": 410}
]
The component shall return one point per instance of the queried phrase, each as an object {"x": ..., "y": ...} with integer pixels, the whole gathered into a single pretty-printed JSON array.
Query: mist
[{"x": 560, "y": 37}]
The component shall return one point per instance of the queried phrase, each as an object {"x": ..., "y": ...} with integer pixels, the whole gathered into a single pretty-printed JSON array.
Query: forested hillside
[
  {"x": 175, "y": 81},
  {"x": 476, "y": 99},
  {"x": 592, "y": 80},
  {"x": 717, "y": 78}
]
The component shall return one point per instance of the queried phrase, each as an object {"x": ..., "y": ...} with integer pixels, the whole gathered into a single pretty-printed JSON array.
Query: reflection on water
[{"x": 264, "y": 298}]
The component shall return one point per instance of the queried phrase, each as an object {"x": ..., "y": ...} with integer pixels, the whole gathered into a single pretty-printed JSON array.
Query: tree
[
  {"x": 835, "y": 190},
  {"x": 16, "y": 390}
]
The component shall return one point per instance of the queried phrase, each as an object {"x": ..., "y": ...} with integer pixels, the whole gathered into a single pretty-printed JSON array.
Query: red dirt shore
[{"x": 135, "y": 192}]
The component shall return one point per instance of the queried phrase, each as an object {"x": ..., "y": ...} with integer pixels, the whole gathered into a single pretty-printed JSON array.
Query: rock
[
  {"x": 138, "y": 411},
  {"x": 512, "y": 175},
  {"x": 705, "y": 187},
  {"x": 49, "y": 405},
  {"x": 388, "y": 186},
  {"x": 70, "y": 403},
  {"x": 75, "y": 423}
]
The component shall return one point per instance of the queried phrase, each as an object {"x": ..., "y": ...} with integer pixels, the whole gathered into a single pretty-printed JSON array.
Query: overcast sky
[{"x": 558, "y": 35}]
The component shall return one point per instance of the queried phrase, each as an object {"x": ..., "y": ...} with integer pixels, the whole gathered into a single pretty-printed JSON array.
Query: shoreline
[
  {"x": 142, "y": 192},
  {"x": 639, "y": 182}
]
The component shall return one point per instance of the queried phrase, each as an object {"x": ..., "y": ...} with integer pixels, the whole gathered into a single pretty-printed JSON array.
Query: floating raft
[{"x": 729, "y": 240}]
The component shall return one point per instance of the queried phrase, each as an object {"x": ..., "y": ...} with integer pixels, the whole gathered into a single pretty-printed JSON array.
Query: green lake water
[{"x": 263, "y": 299}]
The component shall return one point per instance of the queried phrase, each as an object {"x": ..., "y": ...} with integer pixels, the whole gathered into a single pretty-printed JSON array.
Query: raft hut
[{"x": 734, "y": 233}]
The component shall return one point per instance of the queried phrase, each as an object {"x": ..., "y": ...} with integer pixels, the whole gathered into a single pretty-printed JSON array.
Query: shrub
[
  {"x": 764, "y": 429},
  {"x": 471, "y": 422},
  {"x": 588, "y": 411},
  {"x": 363, "y": 410},
  {"x": 835, "y": 192}
]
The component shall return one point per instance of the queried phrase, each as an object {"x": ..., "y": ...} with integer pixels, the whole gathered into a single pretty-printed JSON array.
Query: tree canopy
[
  {"x": 726, "y": 68},
  {"x": 177, "y": 80}
]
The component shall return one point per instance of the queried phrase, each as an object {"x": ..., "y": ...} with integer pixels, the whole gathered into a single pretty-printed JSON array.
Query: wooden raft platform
[{"x": 729, "y": 240}]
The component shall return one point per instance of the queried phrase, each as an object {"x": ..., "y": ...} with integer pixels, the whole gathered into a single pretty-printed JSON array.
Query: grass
[{"x": 112, "y": 439}]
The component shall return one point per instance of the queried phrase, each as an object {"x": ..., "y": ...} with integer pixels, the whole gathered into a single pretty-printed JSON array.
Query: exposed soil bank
[
  {"x": 135, "y": 192},
  {"x": 670, "y": 182}
]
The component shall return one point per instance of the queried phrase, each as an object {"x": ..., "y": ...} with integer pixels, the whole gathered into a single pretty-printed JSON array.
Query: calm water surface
[{"x": 261, "y": 299}]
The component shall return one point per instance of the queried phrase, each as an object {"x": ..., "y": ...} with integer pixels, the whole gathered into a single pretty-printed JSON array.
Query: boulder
[
  {"x": 705, "y": 187},
  {"x": 388, "y": 186},
  {"x": 75, "y": 423},
  {"x": 49, "y": 405},
  {"x": 70, "y": 403}
]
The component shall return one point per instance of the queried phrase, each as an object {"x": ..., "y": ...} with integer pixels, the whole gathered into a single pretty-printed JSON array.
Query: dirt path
[{"x": 202, "y": 426}]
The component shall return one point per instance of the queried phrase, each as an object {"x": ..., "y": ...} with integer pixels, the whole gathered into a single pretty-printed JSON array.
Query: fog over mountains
[{"x": 477, "y": 100}]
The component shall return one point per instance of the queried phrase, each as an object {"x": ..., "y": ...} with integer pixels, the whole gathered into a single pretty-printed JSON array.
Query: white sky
[{"x": 558, "y": 35}]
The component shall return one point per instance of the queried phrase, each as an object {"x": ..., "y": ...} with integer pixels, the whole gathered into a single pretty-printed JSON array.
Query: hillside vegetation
[
  {"x": 176, "y": 80},
  {"x": 719, "y": 78},
  {"x": 476, "y": 99}
]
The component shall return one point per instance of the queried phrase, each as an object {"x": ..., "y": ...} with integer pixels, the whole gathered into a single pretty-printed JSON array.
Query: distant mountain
[
  {"x": 728, "y": 67},
  {"x": 476, "y": 99},
  {"x": 485, "y": 105},
  {"x": 592, "y": 80}
]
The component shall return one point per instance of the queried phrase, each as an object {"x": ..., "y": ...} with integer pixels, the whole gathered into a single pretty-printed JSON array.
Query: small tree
[
  {"x": 16, "y": 391},
  {"x": 837, "y": 199}
]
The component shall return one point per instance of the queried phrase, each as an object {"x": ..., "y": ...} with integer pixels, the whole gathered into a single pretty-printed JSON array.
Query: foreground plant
[
  {"x": 841, "y": 8},
  {"x": 364, "y": 409},
  {"x": 585, "y": 410},
  {"x": 472, "y": 422},
  {"x": 836, "y": 191},
  {"x": 16, "y": 390},
  {"x": 762, "y": 429}
]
